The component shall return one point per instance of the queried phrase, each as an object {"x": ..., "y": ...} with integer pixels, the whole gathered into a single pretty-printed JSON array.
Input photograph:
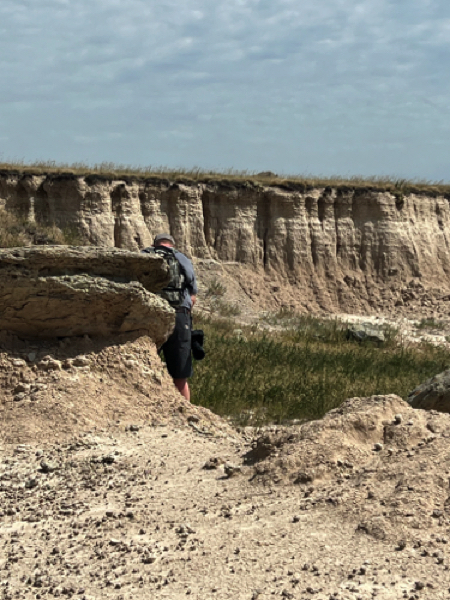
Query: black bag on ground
[{"x": 197, "y": 340}]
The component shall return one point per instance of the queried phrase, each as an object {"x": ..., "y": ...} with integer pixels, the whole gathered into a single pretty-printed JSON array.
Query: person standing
[{"x": 177, "y": 348}]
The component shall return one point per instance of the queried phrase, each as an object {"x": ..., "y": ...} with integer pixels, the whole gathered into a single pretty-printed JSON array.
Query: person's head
[{"x": 164, "y": 239}]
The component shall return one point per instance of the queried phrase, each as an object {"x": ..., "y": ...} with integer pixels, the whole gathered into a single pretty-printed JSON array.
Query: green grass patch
[
  {"x": 223, "y": 308},
  {"x": 261, "y": 378},
  {"x": 430, "y": 323}
]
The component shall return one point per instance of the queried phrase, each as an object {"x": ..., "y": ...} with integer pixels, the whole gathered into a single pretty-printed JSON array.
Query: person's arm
[
  {"x": 189, "y": 274},
  {"x": 193, "y": 291}
]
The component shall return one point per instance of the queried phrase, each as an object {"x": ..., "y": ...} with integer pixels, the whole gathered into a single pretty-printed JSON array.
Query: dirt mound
[
  {"x": 50, "y": 391},
  {"x": 375, "y": 460},
  {"x": 135, "y": 515}
]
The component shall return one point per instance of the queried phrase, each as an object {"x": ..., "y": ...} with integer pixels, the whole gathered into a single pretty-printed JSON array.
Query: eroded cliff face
[{"x": 342, "y": 247}]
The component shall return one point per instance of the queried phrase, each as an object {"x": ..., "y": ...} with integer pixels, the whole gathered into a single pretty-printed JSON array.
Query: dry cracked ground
[{"x": 354, "y": 506}]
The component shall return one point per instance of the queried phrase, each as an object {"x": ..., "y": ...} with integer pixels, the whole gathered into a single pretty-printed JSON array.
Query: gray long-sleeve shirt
[{"x": 190, "y": 281}]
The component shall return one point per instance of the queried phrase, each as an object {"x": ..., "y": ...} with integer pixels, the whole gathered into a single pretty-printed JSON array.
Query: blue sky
[{"x": 320, "y": 87}]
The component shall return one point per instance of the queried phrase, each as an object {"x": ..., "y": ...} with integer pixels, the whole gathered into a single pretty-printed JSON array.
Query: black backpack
[{"x": 174, "y": 291}]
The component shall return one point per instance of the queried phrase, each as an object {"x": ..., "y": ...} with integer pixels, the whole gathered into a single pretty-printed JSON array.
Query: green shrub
[
  {"x": 18, "y": 231},
  {"x": 430, "y": 323},
  {"x": 224, "y": 309},
  {"x": 215, "y": 289}
]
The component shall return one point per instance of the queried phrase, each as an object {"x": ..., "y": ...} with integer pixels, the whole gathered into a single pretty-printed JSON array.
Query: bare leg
[{"x": 183, "y": 387}]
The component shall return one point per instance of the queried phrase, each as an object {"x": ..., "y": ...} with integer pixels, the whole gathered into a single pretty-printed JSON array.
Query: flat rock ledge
[
  {"x": 433, "y": 394},
  {"x": 61, "y": 291}
]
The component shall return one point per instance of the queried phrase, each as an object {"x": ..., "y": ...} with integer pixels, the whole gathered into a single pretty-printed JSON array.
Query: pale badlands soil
[
  {"x": 111, "y": 486},
  {"x": 137, "y": 515}
]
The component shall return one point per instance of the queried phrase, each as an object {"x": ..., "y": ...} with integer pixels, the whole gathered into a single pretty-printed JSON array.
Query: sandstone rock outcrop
[
  {"x": 62, "y": 291},
  {"x": 433, "y": 394},
  {"x": 351, "y": 249}
]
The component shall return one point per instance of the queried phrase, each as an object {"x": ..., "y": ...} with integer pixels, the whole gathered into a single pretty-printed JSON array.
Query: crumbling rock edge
[{"x": 62, "y": 291}]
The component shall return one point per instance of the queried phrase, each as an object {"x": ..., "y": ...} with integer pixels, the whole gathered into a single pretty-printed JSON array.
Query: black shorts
[{"x": 177, "y": 349}]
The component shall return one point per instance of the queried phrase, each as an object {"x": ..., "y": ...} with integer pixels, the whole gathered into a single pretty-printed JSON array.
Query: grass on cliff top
[
  {"x": 110, "y": 170},
  {"x": 303, "y": 372}
]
